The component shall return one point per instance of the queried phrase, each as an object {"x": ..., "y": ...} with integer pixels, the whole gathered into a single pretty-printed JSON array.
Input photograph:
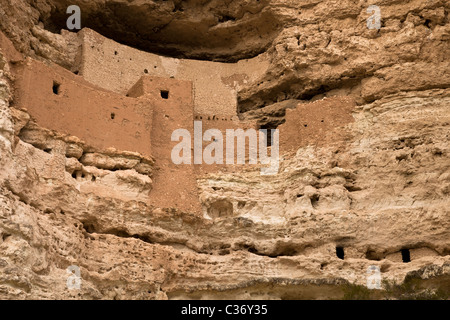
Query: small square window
[
  {"x": 164, "y": 94},
  {"x": 406, "y": 256}
]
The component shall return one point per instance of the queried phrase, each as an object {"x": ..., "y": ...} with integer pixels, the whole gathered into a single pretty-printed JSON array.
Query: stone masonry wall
[{"x": 117, "y": 67}]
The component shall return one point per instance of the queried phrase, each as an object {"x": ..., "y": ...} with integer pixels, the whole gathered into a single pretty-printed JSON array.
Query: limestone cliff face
[
  {"x": 317, "y": 48},
  {"x": 364, "y": 180}
]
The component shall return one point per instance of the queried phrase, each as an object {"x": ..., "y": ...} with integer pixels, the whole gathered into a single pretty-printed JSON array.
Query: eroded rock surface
[{"x": 373, "y": 185}]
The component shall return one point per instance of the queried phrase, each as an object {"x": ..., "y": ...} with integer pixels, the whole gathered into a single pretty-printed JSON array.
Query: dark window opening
[
  {"x": 268, "y": 133},
  {"x": 164, "y": 94},
  {"x": 340, "y": 253},
  {"x": 315, "y": 200},
  {"x": 48, "y": 150},
  {"x": 113, "y": 116},
  {"x": 56, "y": 87},
  {"x": 145, "y": 71},
  {"x": 116, "y": 53},
  {"x": 406, "y": 257},
  {"x": 76, "y": 72},
  {"x": 305, "y": 125}
]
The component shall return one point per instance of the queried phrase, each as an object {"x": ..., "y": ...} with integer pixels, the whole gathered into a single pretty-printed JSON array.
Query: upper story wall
[
  {"x": 117, "y": 67},
  {"x": 319, "y": 123},
  {"x": 62, "y": 101}
]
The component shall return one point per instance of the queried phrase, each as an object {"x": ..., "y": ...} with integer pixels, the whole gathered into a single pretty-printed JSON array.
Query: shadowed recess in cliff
[{"x": 205, "y": 30}]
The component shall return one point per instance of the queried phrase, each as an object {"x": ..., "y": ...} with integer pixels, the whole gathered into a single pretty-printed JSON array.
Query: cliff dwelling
[{"x": 352, "y": 120}]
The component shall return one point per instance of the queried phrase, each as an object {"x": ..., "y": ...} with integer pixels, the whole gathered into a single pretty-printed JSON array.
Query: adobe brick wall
[
  {"x": 103, "y": 119},
  {"x": 223, "y": 123},
  {"x": 117, "y": 67},
  {"x": 318, "y": 123},
  {"x": 175, "y": 186},
  {"x": 144, "y": 120}
]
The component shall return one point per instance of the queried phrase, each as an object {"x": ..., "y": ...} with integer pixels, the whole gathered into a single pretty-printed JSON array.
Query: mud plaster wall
[
  {"x": 175, "y": 186},
  {"x": 223, "y": 124},
  {"x": 100, "y": 118},
  {"x": 59, "y": 100},
  {"x": 318, "y": 123},
  {"x": 117, "y": 67},
  {"x": 145, "y": 121}
]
